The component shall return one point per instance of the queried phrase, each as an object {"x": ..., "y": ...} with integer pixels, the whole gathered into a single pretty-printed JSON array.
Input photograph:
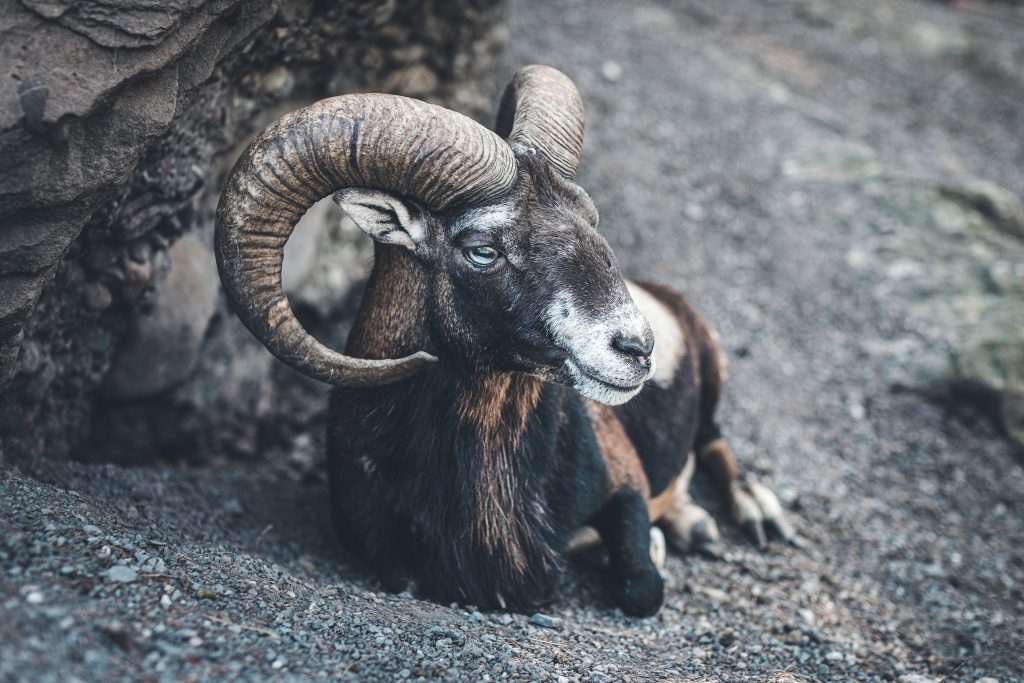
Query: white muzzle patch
[{"x": 598, "y": 370}]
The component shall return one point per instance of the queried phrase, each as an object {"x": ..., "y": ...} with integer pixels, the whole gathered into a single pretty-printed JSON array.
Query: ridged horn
[
  {"x": 395, "y": 144},
  {"x": 541, "y": 108}
]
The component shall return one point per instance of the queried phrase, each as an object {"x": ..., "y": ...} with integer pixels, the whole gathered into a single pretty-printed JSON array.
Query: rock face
[
  {"x": 118, "y": 121},
  {"x": 75, "y": 119},
  {"x": 161, "y": 346}
]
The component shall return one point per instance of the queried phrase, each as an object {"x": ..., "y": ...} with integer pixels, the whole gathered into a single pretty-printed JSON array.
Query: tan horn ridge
[
  {"x": 542, "y": 109},
  {"x": 437, "y": 157}
]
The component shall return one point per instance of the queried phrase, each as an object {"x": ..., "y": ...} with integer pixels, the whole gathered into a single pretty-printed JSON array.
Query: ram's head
[{"x": 517, "y": 276}]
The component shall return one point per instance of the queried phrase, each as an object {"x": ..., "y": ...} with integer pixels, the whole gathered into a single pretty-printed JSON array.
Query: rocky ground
[{"x": 803, "y": 171}]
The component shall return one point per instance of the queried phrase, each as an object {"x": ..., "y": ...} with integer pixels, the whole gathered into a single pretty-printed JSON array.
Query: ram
[{"x": 480, "y": 419}]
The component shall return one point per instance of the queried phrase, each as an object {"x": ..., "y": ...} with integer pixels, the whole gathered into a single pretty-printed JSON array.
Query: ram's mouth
[{"x": 598, "y": 388}]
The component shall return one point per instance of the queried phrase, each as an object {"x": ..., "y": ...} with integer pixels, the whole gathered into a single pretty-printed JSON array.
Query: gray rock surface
[
  {"x": 713, "y": 159},
  {"x": 77, "y": 111},
  {"x": 118, "y": 121},
  {"x": 327, "y": 257},
  {"x": 162, "y": 344}
]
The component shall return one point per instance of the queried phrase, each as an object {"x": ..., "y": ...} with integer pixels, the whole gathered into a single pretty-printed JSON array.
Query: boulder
[
  {"x": 161, "y": 347},
  {"x": 118, "y": 123}
]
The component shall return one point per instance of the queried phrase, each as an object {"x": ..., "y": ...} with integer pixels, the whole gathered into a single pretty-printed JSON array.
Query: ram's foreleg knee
[{"x": 625, "y": 527}]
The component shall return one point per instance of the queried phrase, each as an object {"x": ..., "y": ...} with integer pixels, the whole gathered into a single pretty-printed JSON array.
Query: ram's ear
[{"x": 384, "y": 217}]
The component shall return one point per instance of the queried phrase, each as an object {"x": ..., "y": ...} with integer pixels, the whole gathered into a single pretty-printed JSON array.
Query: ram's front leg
[
  {"x": 754, "y": 506},
  {"x": 624, "y": 526}
]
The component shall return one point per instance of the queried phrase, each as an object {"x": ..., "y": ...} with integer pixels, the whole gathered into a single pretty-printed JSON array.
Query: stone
[
  {"x": 120, "y": 573},
  {"x": 118, "y": 23},
  {"x": 545, "y": 621},
  {"x": 137, "y": 276},
  {"x": 279, "y": 82},
  {"x": 611, "y": 71},
  {"x": 104, "y": 117},
  {"x": 142, "y": 151},
  {"x": 162, "y": 345},
  {"x": 417, "y": 80},
  {"x": 325, "y": 257},
  {"x": 832, "y": 159},
  {"x": 957, "y": 268},
  {"x": 303, "y": 248},
  {"x": 934, "y": 40},
  {"x": 96, "y": 296},
  {"x": 31, "y": 358}
]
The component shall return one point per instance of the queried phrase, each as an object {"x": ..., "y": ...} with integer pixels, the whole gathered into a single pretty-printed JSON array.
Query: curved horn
[
  {"x": 541, "y": 108},
  {"x": 435, "y": 156}
]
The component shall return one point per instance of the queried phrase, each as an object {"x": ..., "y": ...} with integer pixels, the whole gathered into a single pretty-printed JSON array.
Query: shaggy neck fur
[
  {"x": 482, "y": 453},
  {"x": 497, "y": 409},
  {"x": 392, "y": 320}
]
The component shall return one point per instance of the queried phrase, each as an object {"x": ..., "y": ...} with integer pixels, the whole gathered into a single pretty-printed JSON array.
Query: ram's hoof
[
  {"x": 759, "y": 513},
  {"x": 639, "y": 595},
  {"x": 690, "y": 527}
]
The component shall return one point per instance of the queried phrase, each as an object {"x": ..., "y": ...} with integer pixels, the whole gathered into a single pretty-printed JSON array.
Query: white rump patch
[{"x": 669, "y": 341}]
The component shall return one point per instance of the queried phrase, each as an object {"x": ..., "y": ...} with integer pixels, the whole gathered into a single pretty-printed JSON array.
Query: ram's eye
[{"x": 481, "y": 257}]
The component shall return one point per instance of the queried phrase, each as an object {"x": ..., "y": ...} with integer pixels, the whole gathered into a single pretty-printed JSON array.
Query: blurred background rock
[{"x": 119, "y": 122}]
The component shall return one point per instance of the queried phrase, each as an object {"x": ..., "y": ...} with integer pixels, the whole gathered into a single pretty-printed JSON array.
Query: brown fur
[
  {"x": 721, "y": 463},
  {"x": 498, "y": 407},
  {"x": 662, "y": 503},
  {"x": 621, "y": 461},
  {"x": 392, "y": 316}
]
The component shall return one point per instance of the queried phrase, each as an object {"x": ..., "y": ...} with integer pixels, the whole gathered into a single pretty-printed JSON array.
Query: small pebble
[
  {"x": 545, "y": 621},
  {"x": 611, "y": 71},
  {"x": 120, "y": 573},
  {"x": 96, "y": 296}
]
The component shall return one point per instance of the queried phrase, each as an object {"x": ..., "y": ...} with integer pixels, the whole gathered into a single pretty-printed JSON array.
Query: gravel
[{"x": 912, "y": 511}]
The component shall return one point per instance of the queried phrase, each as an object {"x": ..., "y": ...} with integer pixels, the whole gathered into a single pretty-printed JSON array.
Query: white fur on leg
[
  {"x": 688, "y": 525},
  {"x": 767, "y": 501},
  {"x": 658, "y": 548},
  {"x": 745, "y": 509},
  {"x": 774, "y": 516},
  {"x": 584, "y": 538}
]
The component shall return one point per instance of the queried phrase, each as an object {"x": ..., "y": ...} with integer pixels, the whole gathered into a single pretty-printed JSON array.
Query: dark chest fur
[{"x": 479, "y": 476}]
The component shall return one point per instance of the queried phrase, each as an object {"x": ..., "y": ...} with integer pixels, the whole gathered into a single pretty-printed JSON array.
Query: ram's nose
[{"x": 637, "y": 347}]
